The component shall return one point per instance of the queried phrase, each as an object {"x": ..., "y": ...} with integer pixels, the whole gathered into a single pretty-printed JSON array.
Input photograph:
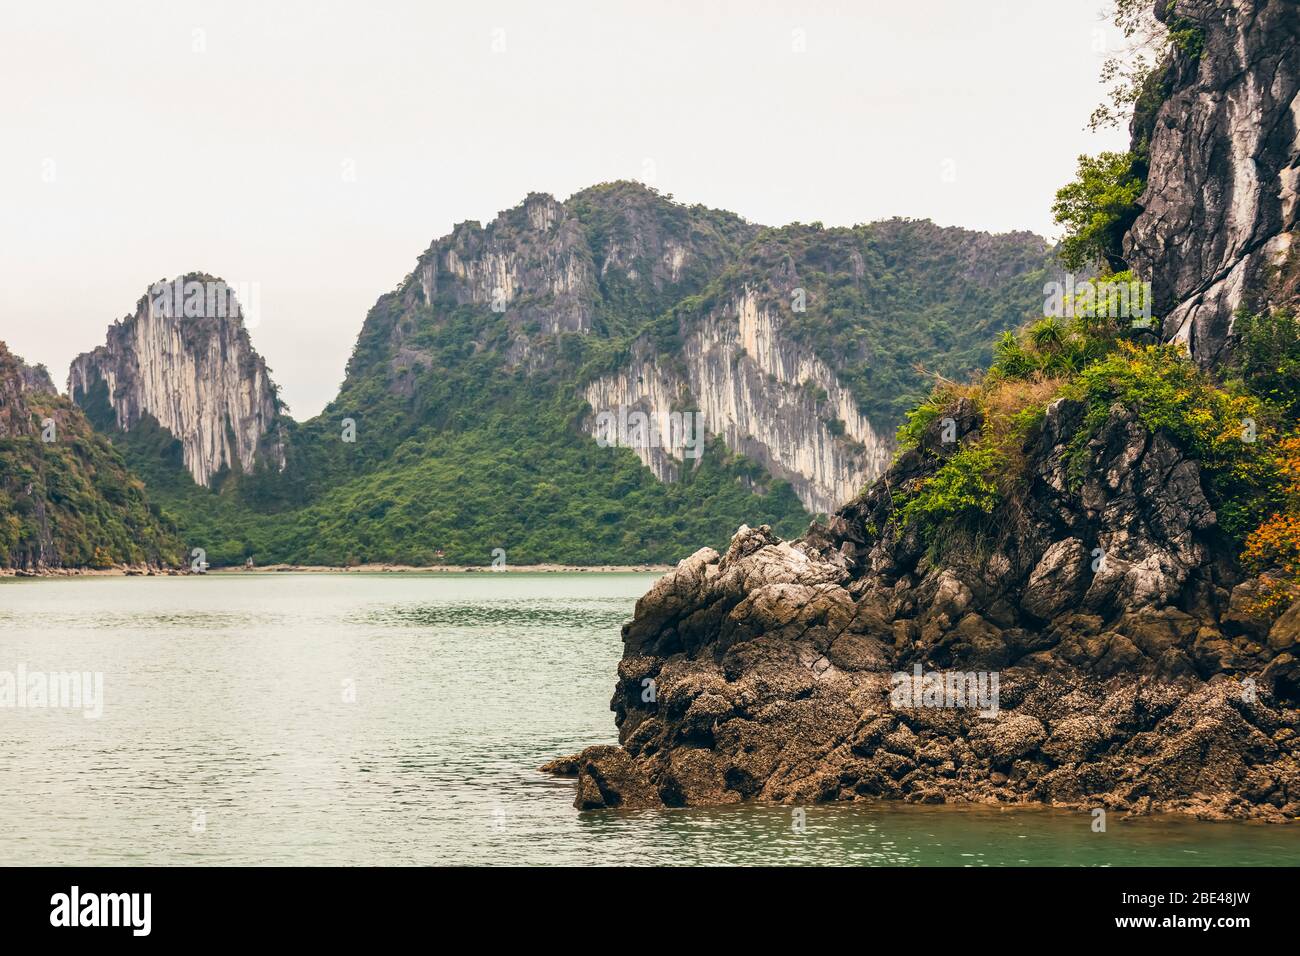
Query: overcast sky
[{"x": 316, "y": 148}]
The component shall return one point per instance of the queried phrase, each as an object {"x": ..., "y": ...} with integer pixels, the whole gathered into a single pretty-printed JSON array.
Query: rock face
[
  {"x": 758, "y": 390},
  {"x": 15, "y": 379},
  {"x": 185, "y": 360},
  {"x": 36, "y": 378},
  {"x": 1220, "y": 207},
  {"x": 532, "y": 262},
  {"x": 1092, "y": 653},
  {"x": 548, "y": 268}
]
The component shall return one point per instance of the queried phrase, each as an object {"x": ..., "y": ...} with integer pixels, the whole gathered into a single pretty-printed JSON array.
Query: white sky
[{"x": 230, "y": 159}]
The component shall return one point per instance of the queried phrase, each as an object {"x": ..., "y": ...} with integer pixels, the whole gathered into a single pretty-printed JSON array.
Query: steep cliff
[
  {"x": 67, "y": 499},
  {"x": 1221, "y": 208},
  {"x": 770, "y": 399},
  {"x": 184, "y": 360}
]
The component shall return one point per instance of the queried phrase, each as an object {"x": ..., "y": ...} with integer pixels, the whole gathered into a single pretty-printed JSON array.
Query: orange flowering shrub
[{"x": 1273, "y": 549}]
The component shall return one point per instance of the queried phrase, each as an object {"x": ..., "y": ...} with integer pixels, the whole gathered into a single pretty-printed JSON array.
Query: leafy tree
[
  {"x": 1136, "y": 74},
  {"x": 1267, "y": 357},
  {"x": 1096, "y": 210}
]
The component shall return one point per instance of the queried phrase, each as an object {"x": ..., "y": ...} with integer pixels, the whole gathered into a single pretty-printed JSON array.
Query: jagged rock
[
  {"x": 608, "y": 777},
  {"x": 1285, "y": 633},
  {"x": 1243, "y": 614},
  {"x": 184, "y": 359},
  {"x": 15, "y": 416},
  {"x": 36, "y": 378},
  {"x": 1221, "y": 205},
  {"x": 1056, "y": 583}
]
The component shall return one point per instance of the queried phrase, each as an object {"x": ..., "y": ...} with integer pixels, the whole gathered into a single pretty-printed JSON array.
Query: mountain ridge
[{"x": 513, "y": 327}]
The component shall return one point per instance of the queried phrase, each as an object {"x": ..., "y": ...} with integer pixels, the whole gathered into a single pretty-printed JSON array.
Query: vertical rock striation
[
  {"x": 1220, "y": 208},
  {"x": 796, "y": 355},
  {"x": 766, "y": 396},
  {"x": 187, "y": 362}
]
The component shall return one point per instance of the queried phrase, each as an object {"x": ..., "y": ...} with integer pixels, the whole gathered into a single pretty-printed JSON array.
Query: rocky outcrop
[
  {"x": 1220, "y": 208},
  {"x": 532, "y": 262},
  {"x": 36, "y": 378},
  {"x": 1090, "y": 650},
  {"x": 17, "y": 381},
  {"x": 184, "y": 359},
  {"x": 1092, "y": 642}
]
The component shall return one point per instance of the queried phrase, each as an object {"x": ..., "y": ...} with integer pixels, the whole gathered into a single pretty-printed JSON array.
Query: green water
[{"x": 400, "y": 719}]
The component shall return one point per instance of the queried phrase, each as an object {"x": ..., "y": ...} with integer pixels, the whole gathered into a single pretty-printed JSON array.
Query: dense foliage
[
  {"x": 72, "y": 501},
  {"x": 1266, "y": 360},
  {"x": 529, "y": 485},
  {"x": 964, "y": 487}
]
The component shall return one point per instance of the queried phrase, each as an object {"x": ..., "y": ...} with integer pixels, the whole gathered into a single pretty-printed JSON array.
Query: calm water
[{"x": 382, "y": 719}]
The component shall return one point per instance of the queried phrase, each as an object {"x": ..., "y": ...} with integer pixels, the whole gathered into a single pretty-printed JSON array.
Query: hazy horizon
[{"x": 318, "y": 150}]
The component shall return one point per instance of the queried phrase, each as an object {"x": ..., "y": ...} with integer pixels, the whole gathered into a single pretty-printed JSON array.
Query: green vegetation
[
  {"x": 1242, "y": 429},
  {"x": 530, "y": 485},
  {"x": 1170, "y": 393},
  {"x": 1187, "y": 36},
  {"x": 1097, "y": 209},
  {"x": 1267, "y": 358},
  {"x": 965, "y": 486},
  {"x": 72, "y": 501}
]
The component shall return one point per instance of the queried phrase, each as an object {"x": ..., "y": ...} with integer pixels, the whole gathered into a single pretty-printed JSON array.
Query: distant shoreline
[
  {"x": 452, "y": 569},
  {"x": 354, "y": 569}
]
